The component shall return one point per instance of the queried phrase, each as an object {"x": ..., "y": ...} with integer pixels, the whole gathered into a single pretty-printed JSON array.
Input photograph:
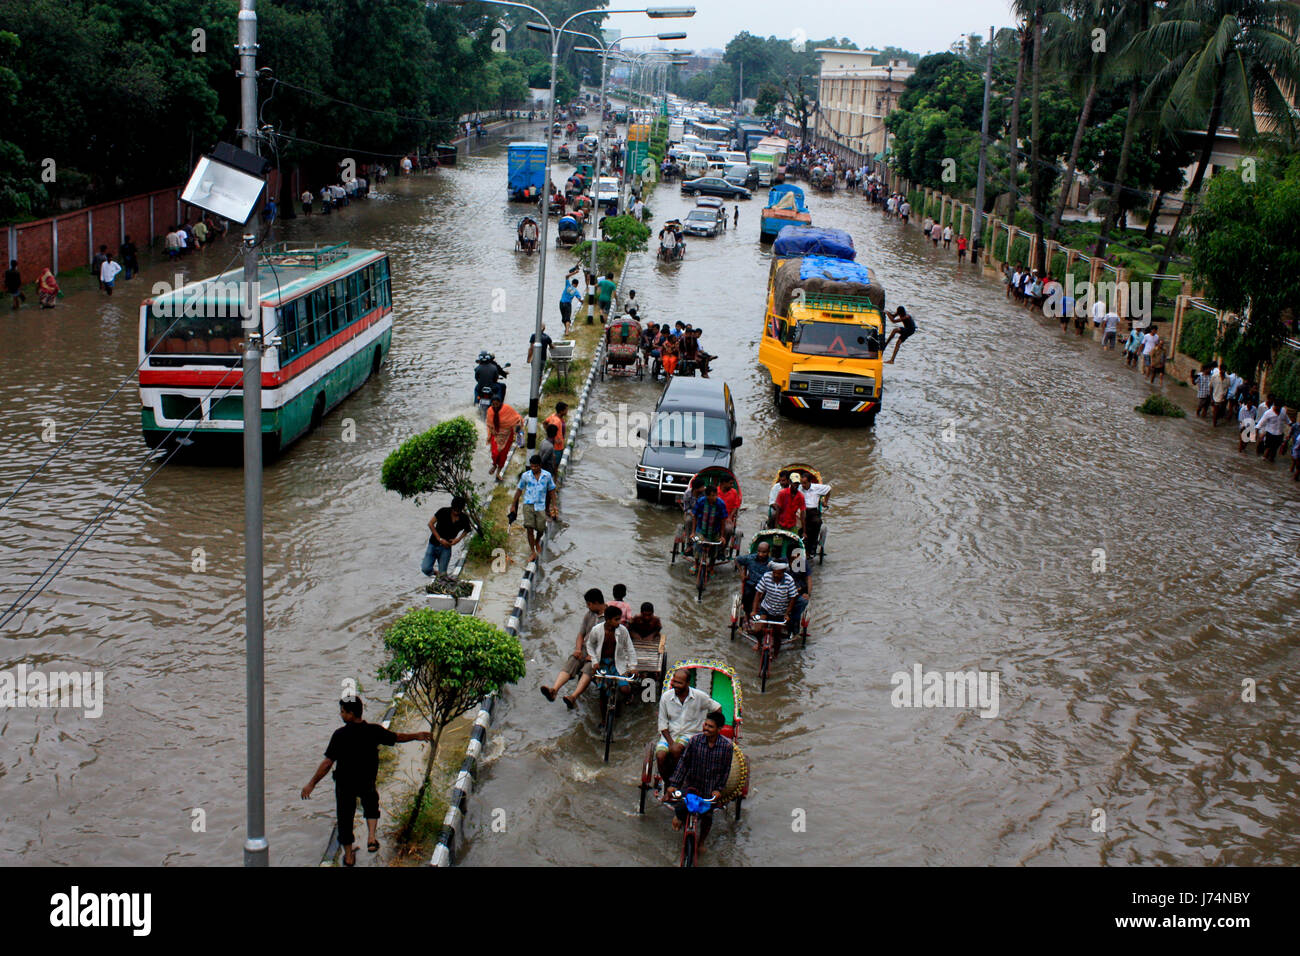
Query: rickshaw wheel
[
  {"x": 739, "y": 801},
  {"x": 641, "y": 807}
]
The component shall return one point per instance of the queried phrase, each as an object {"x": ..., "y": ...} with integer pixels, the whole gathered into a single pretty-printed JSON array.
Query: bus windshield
[
  {"x": 836, "y": 340},
  {"x": 220, "y": 333}
]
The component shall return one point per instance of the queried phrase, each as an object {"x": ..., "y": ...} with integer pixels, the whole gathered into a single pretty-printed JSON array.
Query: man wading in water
[
  {"x": 355, "y": 748},
  {"x": 899, "y": 316}
]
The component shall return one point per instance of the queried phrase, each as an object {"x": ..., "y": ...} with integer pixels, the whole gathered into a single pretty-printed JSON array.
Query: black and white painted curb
[{"x": 444, "y": 853}]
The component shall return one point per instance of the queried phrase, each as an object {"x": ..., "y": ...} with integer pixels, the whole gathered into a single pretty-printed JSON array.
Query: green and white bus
[{"x": 326, "y": 314}]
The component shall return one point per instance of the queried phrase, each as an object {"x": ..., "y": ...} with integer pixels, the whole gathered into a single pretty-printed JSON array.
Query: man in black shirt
[
  {"x": 355, "y": 748},
  {"x": 899, "y": 316},
  {"x": 447, "y": 528},
  {"x": 546, "y": 344},
  {"x": 14, "y": 283}
]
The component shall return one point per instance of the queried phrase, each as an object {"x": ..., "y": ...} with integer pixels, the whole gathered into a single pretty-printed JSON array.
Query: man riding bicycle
[
  {"x": 774, "y": 599},
  {"x": 703, "y": 769},
  {"x": 709, "y": 514}
]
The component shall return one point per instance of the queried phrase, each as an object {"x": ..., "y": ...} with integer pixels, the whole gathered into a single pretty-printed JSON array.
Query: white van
[
  {"x": 732, "y": 156},
  {"x": 696, "y": 165},
  {"x": 764, "y": 172}
]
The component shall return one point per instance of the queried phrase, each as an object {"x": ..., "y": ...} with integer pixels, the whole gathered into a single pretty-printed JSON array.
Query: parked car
[
  {"x": 742, "y": 174},
  {"x": 705, "y": 221},
  {"x": 714, "y": 186},
  {"x": 694, "y": 426}
]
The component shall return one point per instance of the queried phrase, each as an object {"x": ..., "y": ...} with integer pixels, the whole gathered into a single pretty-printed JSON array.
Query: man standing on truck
[{"x": 900, "y": 317}]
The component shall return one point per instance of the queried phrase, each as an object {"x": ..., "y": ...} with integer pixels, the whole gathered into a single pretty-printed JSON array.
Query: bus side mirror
[{"x": 737, "y": 441}]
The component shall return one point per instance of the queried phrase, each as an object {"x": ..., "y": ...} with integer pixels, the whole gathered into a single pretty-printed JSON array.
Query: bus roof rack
[{"x": 312, "y": 256}]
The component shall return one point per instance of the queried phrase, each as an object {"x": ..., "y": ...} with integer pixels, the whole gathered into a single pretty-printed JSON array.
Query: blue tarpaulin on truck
[
  {"x": 793, "y": 241},
  {"x": 837, "y": 270}
]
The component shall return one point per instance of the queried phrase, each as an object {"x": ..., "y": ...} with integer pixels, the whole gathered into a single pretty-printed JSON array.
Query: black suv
[
  {"x": 742, "y": 174},
  {"x": 694, "y": 427}
]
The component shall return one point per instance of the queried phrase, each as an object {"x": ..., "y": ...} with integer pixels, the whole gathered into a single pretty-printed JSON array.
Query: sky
[{"x": 925, "y": 26}]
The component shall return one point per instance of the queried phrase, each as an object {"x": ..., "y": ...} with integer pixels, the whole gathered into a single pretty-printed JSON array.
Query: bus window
[
  {"x": 320, "y": 303},
  {"x": 381, "y": 280},
  {"x": 368, "y": 289},
  {"x": 356, "y": 307},
  {"x": 288, "y": 331},
  {"x": 306, "y": 324},
  {"x": 338, "y": 305}
]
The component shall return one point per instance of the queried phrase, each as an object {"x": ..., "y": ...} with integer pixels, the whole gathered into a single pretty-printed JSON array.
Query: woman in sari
[
  {"x": 47, "y": 289},
  {"x": 503, "y": 423}
]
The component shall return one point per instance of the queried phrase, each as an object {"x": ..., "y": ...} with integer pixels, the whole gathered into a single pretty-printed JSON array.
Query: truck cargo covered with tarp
[
  {"x": 525, "y": 171},
  {"x": 795, "y": 241},
  {"x": 824, "y": 279},
  {"x": 785, "y": 207}
]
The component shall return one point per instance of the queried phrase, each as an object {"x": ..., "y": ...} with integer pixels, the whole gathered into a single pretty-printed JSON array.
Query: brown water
[{"x": 1119, "y": 690}]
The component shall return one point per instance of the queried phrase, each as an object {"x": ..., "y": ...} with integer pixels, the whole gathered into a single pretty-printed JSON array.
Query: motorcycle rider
[{"x": 488, "y": 374}]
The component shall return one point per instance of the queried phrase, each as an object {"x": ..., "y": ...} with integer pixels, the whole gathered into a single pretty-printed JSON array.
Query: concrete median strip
[{"x": 444, "y": 853}]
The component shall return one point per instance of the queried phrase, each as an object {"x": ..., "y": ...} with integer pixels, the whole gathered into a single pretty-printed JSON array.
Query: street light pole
[{"x": 256, "y": 847}]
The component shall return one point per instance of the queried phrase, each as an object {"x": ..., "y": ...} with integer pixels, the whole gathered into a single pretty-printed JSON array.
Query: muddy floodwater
[{"x": 965, "y": 532}]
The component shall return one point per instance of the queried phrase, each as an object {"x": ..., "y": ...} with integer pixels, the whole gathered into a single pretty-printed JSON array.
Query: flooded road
[{"x": 1120, "y": 691}]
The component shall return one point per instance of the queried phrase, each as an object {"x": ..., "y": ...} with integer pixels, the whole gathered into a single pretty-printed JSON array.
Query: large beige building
[{"x": 855, "y": 96}]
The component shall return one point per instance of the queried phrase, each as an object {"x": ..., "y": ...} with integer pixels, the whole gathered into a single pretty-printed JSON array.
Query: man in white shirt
[
  {"x": 813, "y": 493},
  {"x": 1110, "y": 329},
  {"x": 609, "y": 643},
  {"x": 681, "y": 712},
  {"x": 1098, "y": 312},
  {"x": 1272, "y": 426},
  {"x": 108, "y": 273},
  {"x": 1148, "y": 346},
  {"x": 1218, "y": 394},
  {"x": 947, "y": 236}
]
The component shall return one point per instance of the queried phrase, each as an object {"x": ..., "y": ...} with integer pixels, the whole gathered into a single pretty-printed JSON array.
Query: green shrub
[
  {"x": 609, "y": 255},
  {"x": 626, "y": 232},
  {"x": 1159, "y": 405},
  {"x": 1197, "y": 337},
  {"x": 1284, "y": 377},
  {"x": 438, "y": 460},
  {"x": 485, "y": 542}
]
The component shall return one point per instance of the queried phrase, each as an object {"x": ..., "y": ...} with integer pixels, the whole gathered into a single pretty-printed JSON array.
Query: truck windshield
[{"x": 836, "y": 340}]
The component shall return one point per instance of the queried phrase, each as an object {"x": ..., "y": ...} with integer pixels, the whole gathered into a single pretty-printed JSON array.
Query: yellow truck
[{"x": 824, "y": 329}]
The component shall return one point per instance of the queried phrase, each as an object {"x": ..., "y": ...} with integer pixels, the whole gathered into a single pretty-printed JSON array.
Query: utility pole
[
  {"x": 255, "y": 843},
  {"x": 977, "y": 240},
  {"x": 595, "y": 186}
]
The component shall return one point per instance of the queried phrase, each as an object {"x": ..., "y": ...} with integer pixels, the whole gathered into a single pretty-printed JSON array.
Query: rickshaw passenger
[
  {"x": 752, "y": 567},
  {"x": 790, "y": 507},
  {"x": 681, "y": 712},
  {"x": 730, "y": 495},
  {"x": 669, "y": 356}
]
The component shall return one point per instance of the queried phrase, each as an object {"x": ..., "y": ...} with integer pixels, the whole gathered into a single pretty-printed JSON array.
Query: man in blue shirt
[
  {"x": 537, "y": 488},
  {"x": 710, "y": 512},
  {"x": 570, "y": 293}
]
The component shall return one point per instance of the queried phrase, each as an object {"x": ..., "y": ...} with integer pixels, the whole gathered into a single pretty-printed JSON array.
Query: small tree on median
[
  {"x": 450, "y": 662},
  {"x": 439, "y": 460}
]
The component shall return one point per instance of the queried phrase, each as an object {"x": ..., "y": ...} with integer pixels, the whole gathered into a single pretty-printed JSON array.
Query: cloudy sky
[{"x": 920, "y": 25}]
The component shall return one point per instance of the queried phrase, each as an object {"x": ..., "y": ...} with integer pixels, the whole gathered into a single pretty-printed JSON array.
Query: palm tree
[
  {"x": 1132, "y": 20},
  {"x": 1014, "y": 135},
  {"x": 1222, "y": 62},
  {"x": 1073, "y": 42}
]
